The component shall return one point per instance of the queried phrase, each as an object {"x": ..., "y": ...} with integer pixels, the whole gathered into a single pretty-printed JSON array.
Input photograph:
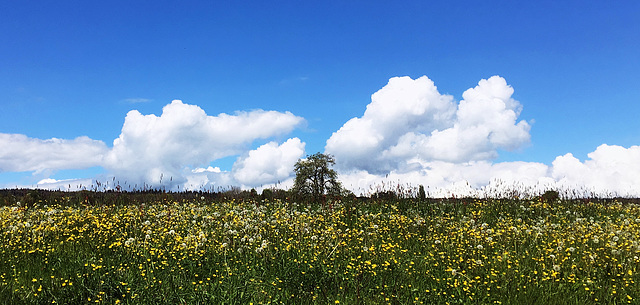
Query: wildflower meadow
[{"x": 345, "y": 251}]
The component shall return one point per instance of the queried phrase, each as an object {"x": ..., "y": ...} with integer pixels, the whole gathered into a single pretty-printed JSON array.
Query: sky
[{"x": 210, "y": 94}]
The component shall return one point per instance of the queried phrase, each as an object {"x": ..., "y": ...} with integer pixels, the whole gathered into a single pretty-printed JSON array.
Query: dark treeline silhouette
[{"x": 31, "y": 197}]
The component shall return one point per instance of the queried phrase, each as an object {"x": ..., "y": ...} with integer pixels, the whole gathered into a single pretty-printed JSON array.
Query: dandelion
[
  {"x": 129, "y": 241},
  {"x": 556, "y": 268}
]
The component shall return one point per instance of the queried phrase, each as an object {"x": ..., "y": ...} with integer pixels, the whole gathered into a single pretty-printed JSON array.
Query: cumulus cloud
[
  {"x": 158, "y": 149},
  {"x": 268, "y": 163},
  {"x": 610, "y": 168},
  {"x": 410, "y": 134},
  {"x": 21, "y": 153},
  {"x": 409, "y": 120}
]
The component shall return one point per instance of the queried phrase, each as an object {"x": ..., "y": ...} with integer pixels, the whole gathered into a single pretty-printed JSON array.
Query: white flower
[
  {"x": 556, "y": 268},
  {"x": 129, "y": 241},
  {"x": 480, "y": 247}
]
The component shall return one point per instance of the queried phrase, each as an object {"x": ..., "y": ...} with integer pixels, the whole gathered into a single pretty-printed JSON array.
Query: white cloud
[
  {"x": 268, "y": 163},
  {"x": 610, "y": 168},
  {"x": 20, "y": 153},
  {"x": 137, "y": 100},
  {"x": 167, "y": 150},
  {"x": 609, "y": 171},
  {"x": 162, "y": 149},
  {"x": 409, "y": 119},
  {"x": 446, "y": 178},
  {"x": 208, "y": 169},
  {"x": 47, "y": 181},
  {"x": 410, "y": 134}
]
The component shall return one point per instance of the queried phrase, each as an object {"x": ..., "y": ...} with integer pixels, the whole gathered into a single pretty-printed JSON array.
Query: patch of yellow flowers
[{"x": 462, "y": 252}]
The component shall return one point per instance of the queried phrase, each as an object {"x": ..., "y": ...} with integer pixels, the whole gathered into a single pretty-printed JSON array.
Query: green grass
[{"x": 374, "y": 252}]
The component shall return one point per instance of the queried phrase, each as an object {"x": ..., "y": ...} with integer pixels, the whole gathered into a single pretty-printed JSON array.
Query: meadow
[{"x": 349, "y": 251}]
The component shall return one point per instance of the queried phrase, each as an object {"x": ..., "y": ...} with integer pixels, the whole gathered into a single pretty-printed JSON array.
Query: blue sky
[{"x": 76, "y": 68}]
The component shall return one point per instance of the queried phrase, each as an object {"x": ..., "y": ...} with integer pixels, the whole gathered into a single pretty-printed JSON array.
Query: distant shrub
[
  {"x": 421, "y": 193},
  {"x": 550, "y": 195}
]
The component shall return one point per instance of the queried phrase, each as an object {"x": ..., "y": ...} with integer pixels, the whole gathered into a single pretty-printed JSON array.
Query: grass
[{"x": 194, "y": 251}]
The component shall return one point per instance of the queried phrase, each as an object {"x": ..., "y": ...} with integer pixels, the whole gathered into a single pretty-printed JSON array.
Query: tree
[
  {"x": 421, "y": 193},
  {"x": 314, "y": 177}
]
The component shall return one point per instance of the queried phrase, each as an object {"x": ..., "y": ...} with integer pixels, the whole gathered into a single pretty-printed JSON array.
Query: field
[{"x": 196, "y": 251}]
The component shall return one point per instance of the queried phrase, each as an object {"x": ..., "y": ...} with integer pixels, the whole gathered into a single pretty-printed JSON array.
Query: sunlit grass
[{"x": 377, "y": 252}]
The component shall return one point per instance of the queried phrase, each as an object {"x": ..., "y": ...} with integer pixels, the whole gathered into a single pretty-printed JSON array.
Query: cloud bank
[
  {"x": 172, "y": 150},
  {"x": 159, "y": 149},
  {"x": 19, "y": 153},
  {"x": 408, "y": 122},
  {"x": 409, "y": 134}
]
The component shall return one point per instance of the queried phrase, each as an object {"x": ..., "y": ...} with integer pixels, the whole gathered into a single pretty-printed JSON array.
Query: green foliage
[
  {"x": 421, "y": 193},
  {"x": 315, "y": 177},
  {"x": 236, "y": 251},
  {"x": 550, "y": 196}
]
